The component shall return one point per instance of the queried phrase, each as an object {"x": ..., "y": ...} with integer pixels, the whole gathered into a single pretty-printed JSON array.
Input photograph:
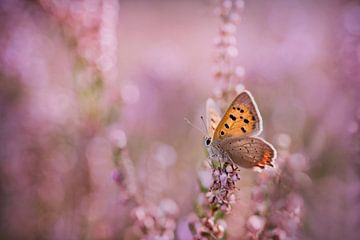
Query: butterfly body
[{"x": 234, "y": 136}]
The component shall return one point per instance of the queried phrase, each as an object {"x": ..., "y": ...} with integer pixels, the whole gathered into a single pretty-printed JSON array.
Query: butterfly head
[
  {"x": 207, "y": 141},
  {"x": 211, "y": 149}
]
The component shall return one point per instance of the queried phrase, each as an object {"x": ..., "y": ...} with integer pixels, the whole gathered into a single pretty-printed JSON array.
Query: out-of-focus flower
[
  {"x": 278, "y": 209},
  {"x": 156, "y": 222},
  {"x": 255, "y": 224}
]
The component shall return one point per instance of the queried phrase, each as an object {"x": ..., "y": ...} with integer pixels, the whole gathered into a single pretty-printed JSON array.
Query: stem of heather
[{"x": 221, "y": 194}]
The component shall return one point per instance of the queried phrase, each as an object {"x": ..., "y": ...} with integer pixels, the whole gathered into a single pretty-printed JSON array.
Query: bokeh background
[{"x": 80, "y": 80}]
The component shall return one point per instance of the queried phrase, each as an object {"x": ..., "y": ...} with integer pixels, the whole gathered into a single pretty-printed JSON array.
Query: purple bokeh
[{"x": 80, "y": 81}]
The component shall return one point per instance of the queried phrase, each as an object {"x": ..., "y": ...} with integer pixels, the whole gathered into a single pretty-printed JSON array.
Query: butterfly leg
[
  {"x": 214, "y": 156},
  {"x": 226, "y": 158},
  {"x": 230, "y": 160},
  {"x": 221, "y": 156}
]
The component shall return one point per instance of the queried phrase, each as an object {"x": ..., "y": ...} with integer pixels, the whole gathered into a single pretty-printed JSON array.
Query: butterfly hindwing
[
  {"x": 249, "y": 152},
  {"x": 242, "y": 118},
  {"x": 213, "y": 116}
]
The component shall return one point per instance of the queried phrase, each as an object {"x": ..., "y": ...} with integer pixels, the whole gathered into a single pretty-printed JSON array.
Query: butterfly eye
[{"x": 208, "y": 141}]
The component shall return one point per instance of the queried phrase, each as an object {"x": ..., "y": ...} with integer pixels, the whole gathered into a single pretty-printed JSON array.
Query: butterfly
[{"x": 234, "y": 137}]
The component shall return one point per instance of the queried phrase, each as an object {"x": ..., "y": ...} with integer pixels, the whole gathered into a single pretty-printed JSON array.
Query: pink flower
[{"x": 255, "y": 224}]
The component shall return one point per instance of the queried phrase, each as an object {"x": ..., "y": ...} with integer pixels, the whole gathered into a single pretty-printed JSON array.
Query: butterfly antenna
[
  {"x": 204, "y": 124},
  {"x": 197, "y": 128}
]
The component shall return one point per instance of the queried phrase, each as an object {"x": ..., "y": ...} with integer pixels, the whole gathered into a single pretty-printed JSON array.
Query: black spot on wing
[
  {"x": 227, "y": 125},
  {"x": 232, "y": 117},
  {"x": 243, "y": 129},
  {"x": 246, "y": 121}
]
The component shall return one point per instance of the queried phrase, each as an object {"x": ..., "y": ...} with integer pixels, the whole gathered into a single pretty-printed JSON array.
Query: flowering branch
[
  {"x": 277, "y": 211},
  {"x": 226, "y": 72},
  {"x": 216, "y": 201},
  {"x": 216, "y": 198}
]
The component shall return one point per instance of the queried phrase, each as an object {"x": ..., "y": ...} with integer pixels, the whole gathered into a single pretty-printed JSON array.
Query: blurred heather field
[{"x": 93, "y": 95}]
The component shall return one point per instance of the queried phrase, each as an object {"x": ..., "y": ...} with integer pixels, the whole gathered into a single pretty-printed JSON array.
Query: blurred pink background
[{"x": 81, "y": 79}]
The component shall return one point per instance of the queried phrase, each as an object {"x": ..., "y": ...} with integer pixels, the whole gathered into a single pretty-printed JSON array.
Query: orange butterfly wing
[
  {"x": 249, "y": 152},
  {"x": 242, "y": 118}
]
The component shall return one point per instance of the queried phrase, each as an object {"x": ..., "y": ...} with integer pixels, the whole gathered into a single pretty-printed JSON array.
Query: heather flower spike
[{"x": 224, "y": 172}]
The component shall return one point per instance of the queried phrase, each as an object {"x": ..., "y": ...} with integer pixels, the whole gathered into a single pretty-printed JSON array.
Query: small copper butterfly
[{"x": 234, "y": 137}]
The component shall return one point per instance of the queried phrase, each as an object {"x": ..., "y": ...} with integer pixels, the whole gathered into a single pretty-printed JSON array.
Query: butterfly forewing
[
  {"x": 213, "y": 116},
  {"x": 241, "y": 119},
  {"x": 249, "y": 152}
]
